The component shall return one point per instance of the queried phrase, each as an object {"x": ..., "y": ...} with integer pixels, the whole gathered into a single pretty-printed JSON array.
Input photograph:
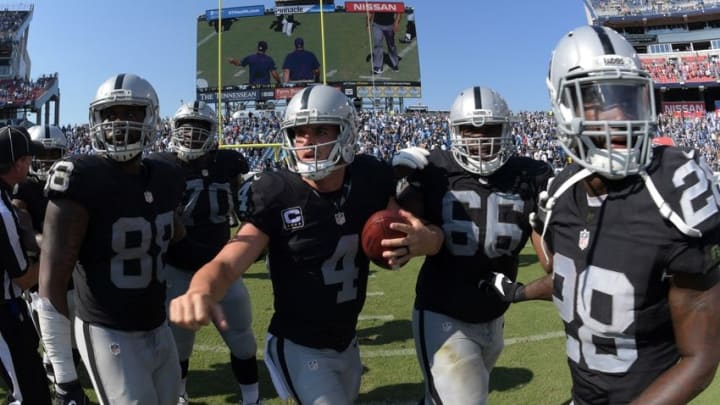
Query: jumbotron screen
[{"x": 347, "y": 62}]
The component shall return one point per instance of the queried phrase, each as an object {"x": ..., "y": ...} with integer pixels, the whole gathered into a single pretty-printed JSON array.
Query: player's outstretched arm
[
  {"x": 694, "y": 303},
  {"x": 199, "y": 305}
]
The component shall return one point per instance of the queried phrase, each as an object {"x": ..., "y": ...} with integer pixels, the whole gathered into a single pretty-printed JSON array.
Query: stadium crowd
[
  {"x": 645, "y": 7},
  {"x": 20, "y": 92},
  {"x": 382, "y": 134}
]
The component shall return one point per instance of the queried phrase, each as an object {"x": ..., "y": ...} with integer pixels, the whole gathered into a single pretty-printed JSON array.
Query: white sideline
[{"x": 396, "y": 352}]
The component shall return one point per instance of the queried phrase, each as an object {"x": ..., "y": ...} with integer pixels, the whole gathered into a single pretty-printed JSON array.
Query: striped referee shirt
[{"x": 12, "y": 255}]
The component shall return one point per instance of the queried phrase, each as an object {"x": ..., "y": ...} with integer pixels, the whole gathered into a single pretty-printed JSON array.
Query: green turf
[{"x": 528, "y": 371}]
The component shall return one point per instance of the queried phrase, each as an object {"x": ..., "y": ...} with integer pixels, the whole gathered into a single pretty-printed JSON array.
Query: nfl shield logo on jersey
[
  {"x": 584, "y": 239},
  {"x": 115, "y": 348}
]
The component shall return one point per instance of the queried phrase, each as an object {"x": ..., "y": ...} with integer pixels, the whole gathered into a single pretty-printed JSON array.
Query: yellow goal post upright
[{"x": 221, "y": 144}]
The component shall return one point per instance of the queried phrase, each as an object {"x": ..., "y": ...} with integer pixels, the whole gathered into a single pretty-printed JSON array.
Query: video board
[{"x": 347, "y": 60}]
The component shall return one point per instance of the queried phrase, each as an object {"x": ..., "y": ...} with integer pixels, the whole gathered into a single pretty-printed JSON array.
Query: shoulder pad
[
  {"x": 257, "y": 191},
  {"x": 562, "y": 176},
  {"x": 73, "y": 177}
]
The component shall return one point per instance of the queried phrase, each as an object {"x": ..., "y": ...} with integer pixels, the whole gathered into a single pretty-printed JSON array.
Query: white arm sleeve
[{"x": 55, "y": 328}]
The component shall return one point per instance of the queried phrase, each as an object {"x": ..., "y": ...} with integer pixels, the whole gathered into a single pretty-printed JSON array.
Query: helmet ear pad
[{"x": 348, "y": 152}]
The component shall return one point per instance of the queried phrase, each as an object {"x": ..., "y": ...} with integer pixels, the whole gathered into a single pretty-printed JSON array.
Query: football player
[
  {"x": 30, "y": 197},
  {"x": 114, "y": 214},
  {"x": 481, "y": 197},
  {"x": 212, "y": 178},
  {"x": 630, "y": 232},
  {"x": 310, "y": 218}
]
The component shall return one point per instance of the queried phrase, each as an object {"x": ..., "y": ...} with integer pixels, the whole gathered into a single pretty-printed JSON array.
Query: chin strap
[
  {"x": 665, "y": 210},
  {"x": 550, "y": 203}
]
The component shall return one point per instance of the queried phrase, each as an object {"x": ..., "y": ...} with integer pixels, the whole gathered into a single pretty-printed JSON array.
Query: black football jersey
[
  {"x": 485, "y": 222},
  {"x": 31, "y": 193},
  {"x": 208, "y": 199},
  {"x": 318, "y": 269},
  {"x": 612, "y": 259},
  {"x": 120, "y": 281}
]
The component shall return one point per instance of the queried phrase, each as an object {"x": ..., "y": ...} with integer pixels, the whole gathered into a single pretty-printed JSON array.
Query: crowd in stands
[
  {"x": 10, "y": 20},
  {"x": 20, "y": 92},
  {"x": 649, "y": 7},
  {"x": 694, "y": 68},
  {"x": 382, "y": 134}
]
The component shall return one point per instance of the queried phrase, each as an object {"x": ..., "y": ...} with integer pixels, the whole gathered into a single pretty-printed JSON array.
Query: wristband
[{"x": 519, "y": 293}]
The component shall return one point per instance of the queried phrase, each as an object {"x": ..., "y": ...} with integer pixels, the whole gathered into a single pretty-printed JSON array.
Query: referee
[{"x": 22, "y": 366}]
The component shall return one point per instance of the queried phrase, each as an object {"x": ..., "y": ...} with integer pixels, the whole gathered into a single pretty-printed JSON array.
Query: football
[{"x": 375, "y": 230}]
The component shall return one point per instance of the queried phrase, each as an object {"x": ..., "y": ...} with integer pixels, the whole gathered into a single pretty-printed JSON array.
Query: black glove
[
  {"x": 70, "y": 393},
  {"x": 508, "y": 290}
]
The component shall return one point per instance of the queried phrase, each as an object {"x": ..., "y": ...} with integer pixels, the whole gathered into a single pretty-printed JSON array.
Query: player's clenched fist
[{"x": 194, "y": 310}]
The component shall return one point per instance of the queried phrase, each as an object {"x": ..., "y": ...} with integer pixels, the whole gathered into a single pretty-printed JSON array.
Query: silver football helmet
[
  {"x": 194, "y": 129},
  {"x": 121, "y": 138},
  {"x": 603, "y": 102},
  {"x": 319, "y": 104},
  {"x": 55, "y": 146},
  {"x": 480, "y": 107}
]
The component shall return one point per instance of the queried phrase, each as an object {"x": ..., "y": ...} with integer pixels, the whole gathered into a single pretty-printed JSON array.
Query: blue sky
[{"x": 502, "y": 44}]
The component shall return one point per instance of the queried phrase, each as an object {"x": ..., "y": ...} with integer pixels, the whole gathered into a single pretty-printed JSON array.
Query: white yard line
[
  {"x": 396, "y": 352},
  {"x": 206, "y": 39},
  {"x": 376, "y": 318}
]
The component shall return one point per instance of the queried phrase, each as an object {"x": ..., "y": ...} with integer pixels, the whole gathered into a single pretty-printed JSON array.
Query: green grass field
[
  {"x": 531, "y": 370},
  {"x": 347, "y": 46}
]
